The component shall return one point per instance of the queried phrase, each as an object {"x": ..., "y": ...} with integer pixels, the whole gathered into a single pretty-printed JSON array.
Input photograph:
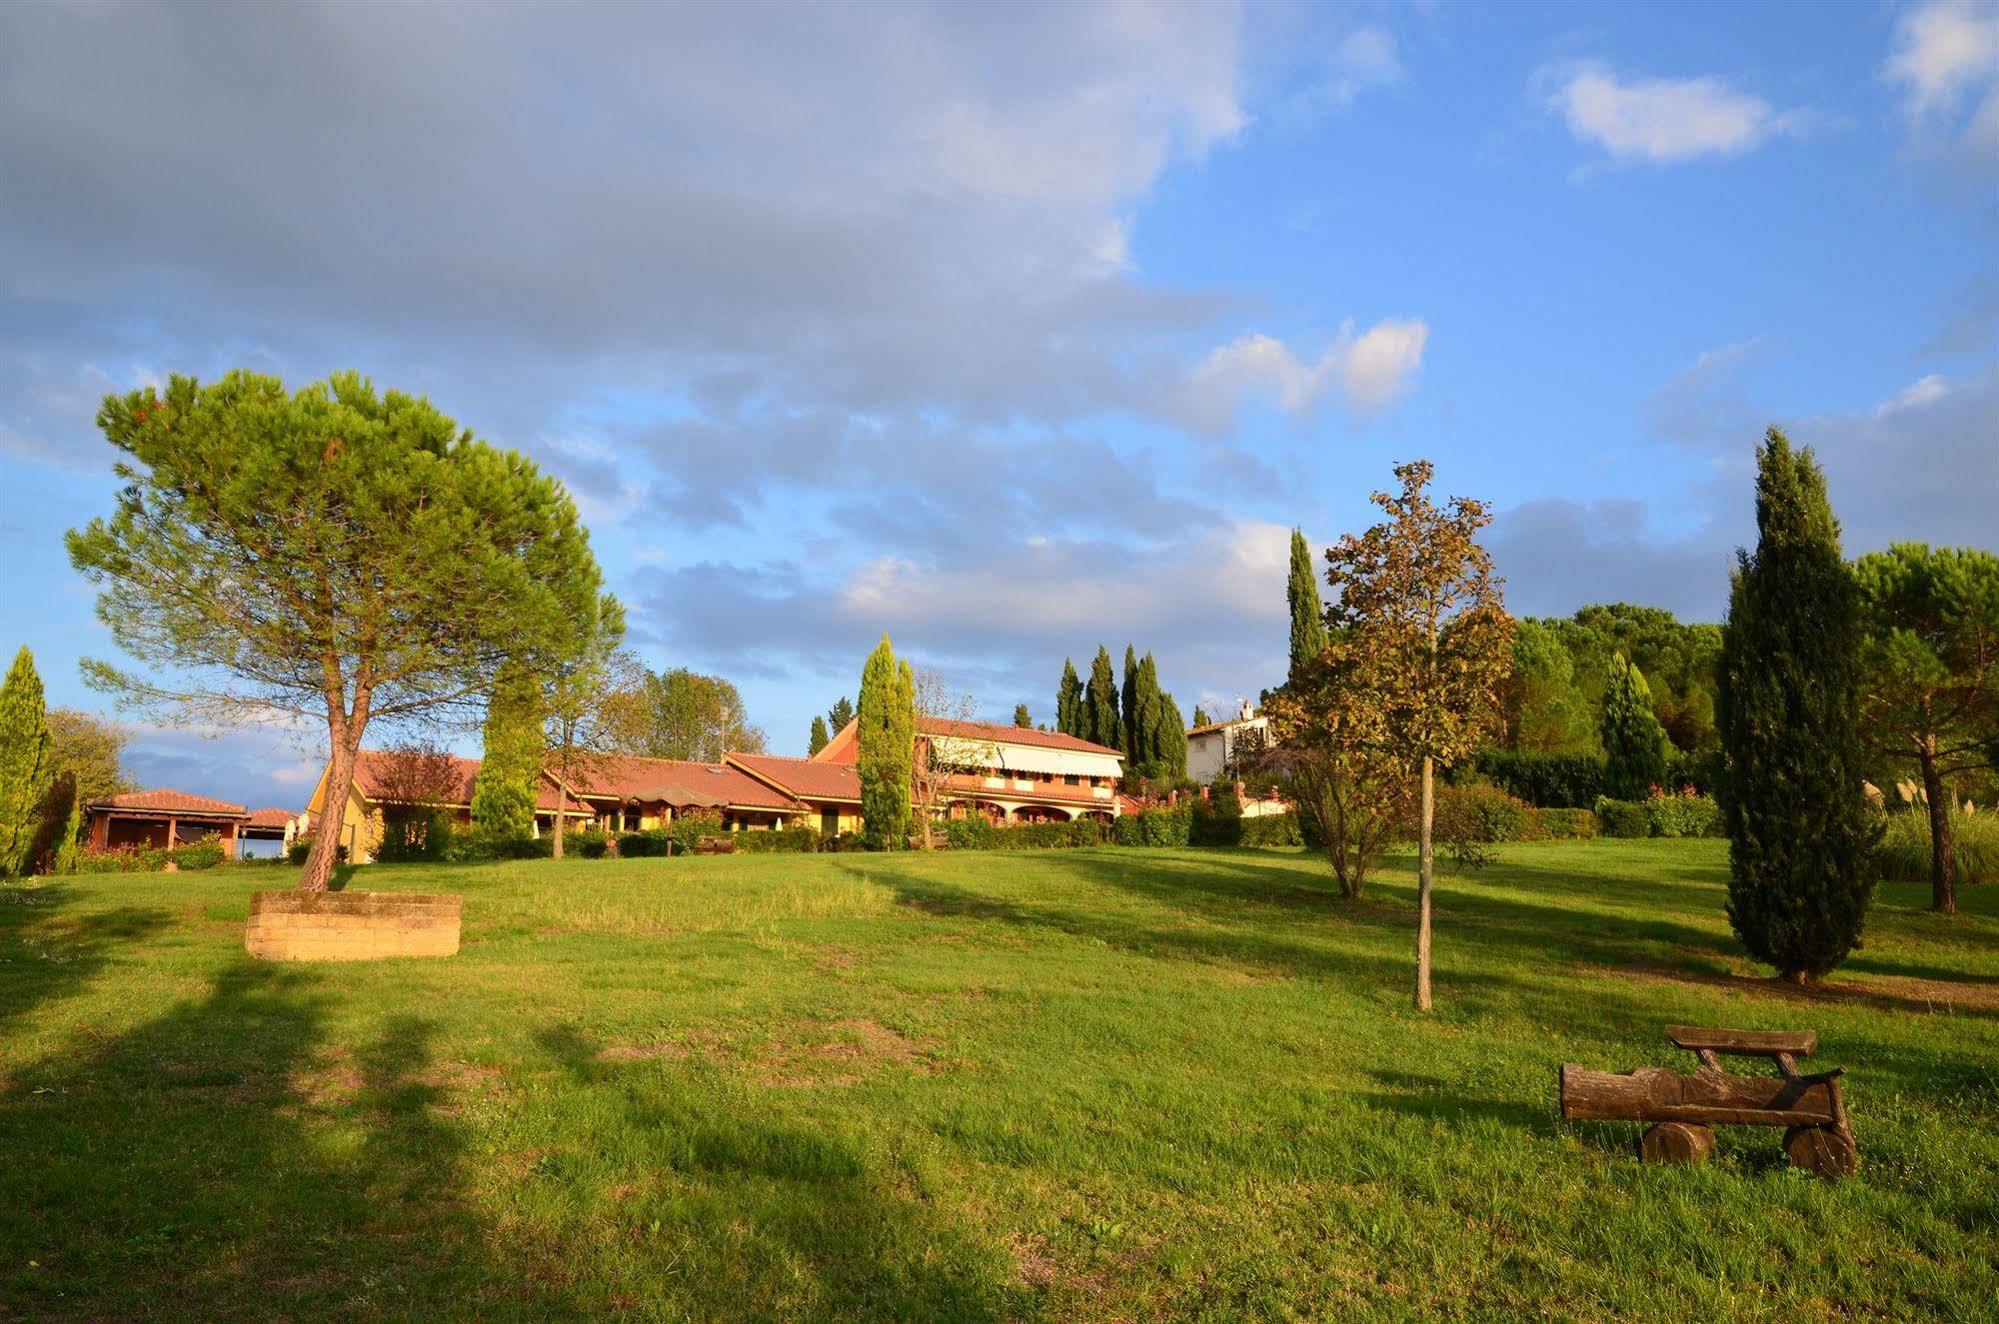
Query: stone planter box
[{"x": 351, "y": 926}]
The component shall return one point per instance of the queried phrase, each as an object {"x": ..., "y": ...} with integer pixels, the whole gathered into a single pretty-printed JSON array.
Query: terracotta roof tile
[
  {"x": 677, "y": 782},
  {"x": 999, "y": 733},
  {"x": 170, "y": 802},
  {"x": 804, "y": 778},
  {"x": 270, "y": 818}
]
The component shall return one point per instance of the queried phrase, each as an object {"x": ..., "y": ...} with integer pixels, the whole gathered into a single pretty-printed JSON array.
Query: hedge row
[
  {"x": 1575, "y": 781},
  {"x": 200, "y": 855},
  {"x": 1660, "y": 816}
]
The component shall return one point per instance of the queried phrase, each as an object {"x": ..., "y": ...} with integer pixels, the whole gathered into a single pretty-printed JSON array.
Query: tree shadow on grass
[
  {"x": 47, "y": 953},
  {"x": 791, "y": 1217},
  {"x": 225, "y": 1160}
]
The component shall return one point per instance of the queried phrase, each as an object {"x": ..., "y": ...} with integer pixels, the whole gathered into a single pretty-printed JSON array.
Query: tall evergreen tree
[
  {"x": 1143, "y": 748},
  {"x": 838, "y": 716},
  {"x": 1789, "y": 714},
  {"x": 1169, "y": 739},
  {"x": 1308, "y": 611},
  {"x": 1101, "y": 720},
  {"x": 817, "y": 740},
  {"x": 1127, "y": 706},
  {"x": 1634, "y": 743},
  {"x": 1069, "y": 701},
  {"x": 1201, "y": 717},
  {"x": 26, "y": 750},
  {"x": 1023, "y": 718},
  {"x": 509, "y": 781},
  {"x": 887, "y": 754}
]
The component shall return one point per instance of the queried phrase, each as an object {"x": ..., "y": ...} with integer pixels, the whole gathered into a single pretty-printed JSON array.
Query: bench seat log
[
  {"x": 1744, "y": 1043},
  {"x": 1655, "y": 1094}
]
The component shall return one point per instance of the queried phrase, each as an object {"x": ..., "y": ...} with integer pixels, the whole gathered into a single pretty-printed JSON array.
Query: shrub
[
  {"x": 1548, "y": 781},
  {"x": 1567, "y": 824},
  {"x": 686, "y": 830},
  {"x": 592, "y": 845},
  {"x": 1272, "y": 830},
  {"x": 1683, "y": 816},
  {"x": 645, "y": 843},
  {"x": 1622, "y": 818},
  {"x": 415, "y": 836},
  {"x": 204, "y": 854},
  {"x": 1161, "y": 825},
  {"x": 777, "y": 842},
  {"x": 977, "y": 834},
  {"x": 1483, "y": 813},
  {"x": 1905, "y": 846}
]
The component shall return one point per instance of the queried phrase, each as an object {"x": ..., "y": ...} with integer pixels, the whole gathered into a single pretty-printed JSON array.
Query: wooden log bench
[
  {"x": 1684, "y": 1110},
  {"x": 714, "y": 846}
]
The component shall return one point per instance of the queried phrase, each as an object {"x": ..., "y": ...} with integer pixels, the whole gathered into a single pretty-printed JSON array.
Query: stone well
[{"x": 351, "y": 926}]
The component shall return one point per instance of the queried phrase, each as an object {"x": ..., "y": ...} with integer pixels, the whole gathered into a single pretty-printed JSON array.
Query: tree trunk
[
  {"x": 1943, "y": 871},
  {"x": 1424, "y": 861},
  {"x": 318, "y": 875},
  {"x": 561, "y": 802}
]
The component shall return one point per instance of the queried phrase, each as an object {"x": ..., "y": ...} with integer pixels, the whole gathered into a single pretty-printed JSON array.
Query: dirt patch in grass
[
  {"x": 681, "y": 1048},
  {"x": 1883, "y": 992},
  {"x": 841, "y": 1053},
  {"x": 836, "y": 956}
]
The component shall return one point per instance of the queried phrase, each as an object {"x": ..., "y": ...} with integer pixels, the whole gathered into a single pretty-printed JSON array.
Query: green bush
[
  {"x": 1683, "y": 816},
  {"x": 686, "y": 830},
  {"x": 1272, "y": 830},
  {"x": 1161, "y": 825},
  {"x": 1547, "y": 781},
  {"x": 975, "y": 833},
  {"x": 645, "y": 843},
  {"x": 591, "y": 845},
  {"x": 1622, "y": 818},
  {"x": 476, "y": 847},
  {"x": 1216, "y": 821},
  {"x": 1905, "y": 846},
  {"x": 1483, "y": 813},
  {"x": 203, "y": 854},
  {"x": 416, "y": 836},
  {"x": 1567, "y": 824},
  {"x": 777, "y": 842}
]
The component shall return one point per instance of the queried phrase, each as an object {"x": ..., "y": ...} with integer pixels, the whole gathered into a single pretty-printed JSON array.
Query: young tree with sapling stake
[
  {"x": 1800, "y": 835},
  {"x": 26, "y": 763},
  {"x": 1931, "y": 677},
  {"x": 939, "y": 755},
  {"x": 1634, "y": 743},
  {"x": 1420, "y": 644},
  {"x": 885, "y": 759},
  {"x": 581, "y": 712},
  {"x": 334, "y": 554}
]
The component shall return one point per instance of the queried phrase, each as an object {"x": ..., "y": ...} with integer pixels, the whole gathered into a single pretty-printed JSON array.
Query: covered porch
[{"x": 162, "y": 819}]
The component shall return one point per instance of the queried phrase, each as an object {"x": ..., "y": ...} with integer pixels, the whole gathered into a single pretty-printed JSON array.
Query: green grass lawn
[{"x": 1087, "y": 1085}]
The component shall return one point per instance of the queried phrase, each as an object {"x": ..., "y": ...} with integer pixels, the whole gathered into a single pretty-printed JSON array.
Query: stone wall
[{"x": 351, "y": 926}]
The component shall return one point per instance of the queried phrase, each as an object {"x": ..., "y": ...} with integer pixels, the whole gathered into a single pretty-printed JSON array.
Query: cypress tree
[
  {"x": 57, "y": 817},
  {"x": 1023, "y": 718},
  {"x": 887, "y": 754},
  {"x": 26, "y": 751},
  {"x": 1169, "y": 739},
  {"x": 1634, "y": 743},
  {"x": 817, "y": 740},
  {"x": 1308, "y": 612},
  {"x": 1101, "y": 722},
  {"x": 838, "y": 716},
  {"x": 509, "y": 783},
  {"x": 1127, "y": 708},
  {"x": 1789, "y": 717},
  {"x": 1201, "y": 717},
  {"x": 1069, "y": 701},
  {"x": 1145, "y": 750}
]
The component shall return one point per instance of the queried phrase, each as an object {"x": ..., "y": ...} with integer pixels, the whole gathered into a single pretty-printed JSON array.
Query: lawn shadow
[
  {"x": 815, "y": 1200},
  {"x": 227, "y": 1160},
  {"x": 49, "y": 953}
]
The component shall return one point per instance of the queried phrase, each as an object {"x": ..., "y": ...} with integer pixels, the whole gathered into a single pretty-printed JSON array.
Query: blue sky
[{"x": 1013, "y": 330}]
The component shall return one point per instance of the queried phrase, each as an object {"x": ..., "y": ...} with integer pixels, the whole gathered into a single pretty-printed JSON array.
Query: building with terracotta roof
[
  {"x": 156, "y": 819},
  {"x": 1009, "y": 774}
]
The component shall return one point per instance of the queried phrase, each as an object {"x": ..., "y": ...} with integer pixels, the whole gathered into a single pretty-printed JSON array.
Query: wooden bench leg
[
  {"x": 1677, "y": 1142},
  {"x": 1822, "y": 1150}
]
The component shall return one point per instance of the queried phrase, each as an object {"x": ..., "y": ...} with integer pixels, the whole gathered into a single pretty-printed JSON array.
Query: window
[
  {"x": 1072, "y": 779},
  {"x": 631, "y": 818}
]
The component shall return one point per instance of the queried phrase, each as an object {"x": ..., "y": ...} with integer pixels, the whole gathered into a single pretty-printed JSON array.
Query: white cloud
[
  {"x": 1667, "y": 119},
  {"x": 1947, "y": 57},
  {"x": 1366, "y": 372},
  {"x": 1923, "y": 391}
]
